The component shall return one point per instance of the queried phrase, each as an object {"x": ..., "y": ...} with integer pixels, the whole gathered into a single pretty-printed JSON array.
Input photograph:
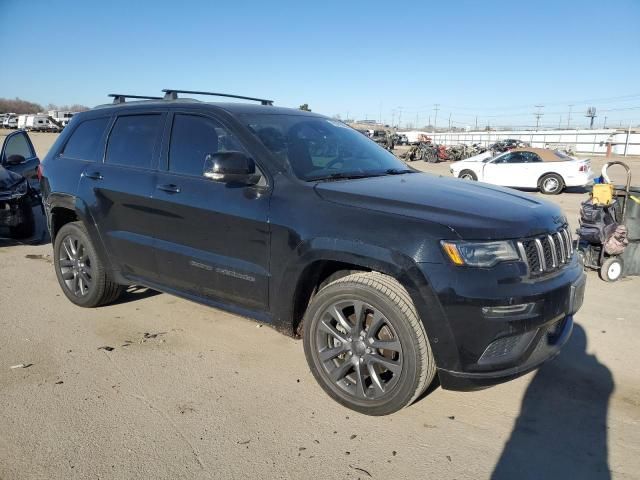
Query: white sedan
[{"x": 550, "y": 171}]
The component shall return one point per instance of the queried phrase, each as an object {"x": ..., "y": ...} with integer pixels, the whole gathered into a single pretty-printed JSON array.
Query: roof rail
[
  {"x": 171, "y": 94},
  {"x": 121, "y": 98}
]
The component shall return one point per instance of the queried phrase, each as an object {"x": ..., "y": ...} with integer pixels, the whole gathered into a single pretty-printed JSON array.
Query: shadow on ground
[
  {"x": 134, "y": 293},
  {"x": 562, "y": 428}
]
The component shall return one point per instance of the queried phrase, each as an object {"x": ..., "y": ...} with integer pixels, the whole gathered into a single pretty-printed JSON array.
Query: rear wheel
[
  {"x": 365, "y": 344},
  {"x": 468, "y": 175},
  {"x": 551, "y": 184},
  {"x": 81, "y": 274}
]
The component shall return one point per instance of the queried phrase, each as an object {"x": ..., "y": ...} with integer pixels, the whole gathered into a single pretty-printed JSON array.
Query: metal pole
[
  {"x": 436, "y": 107},
  {"x": 626, "y": 143},
  {"x": 569, "y": 117},
  {"x": 449, "y": 121}
]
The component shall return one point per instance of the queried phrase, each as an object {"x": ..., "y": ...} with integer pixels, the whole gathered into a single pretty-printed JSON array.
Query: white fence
[{"x": 623, "y": 142}]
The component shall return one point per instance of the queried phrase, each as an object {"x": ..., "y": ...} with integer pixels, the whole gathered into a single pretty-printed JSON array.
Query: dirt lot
[{"x": 193, "y": 392}]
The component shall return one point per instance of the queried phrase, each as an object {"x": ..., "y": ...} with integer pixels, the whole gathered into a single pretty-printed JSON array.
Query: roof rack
[
  {"x": 171, "y": 94},
  {"x": 121, "y": 98}
]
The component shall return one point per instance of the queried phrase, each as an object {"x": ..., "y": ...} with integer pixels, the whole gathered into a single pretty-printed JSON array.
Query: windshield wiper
[
  {"x": 343, "y": 176},
  {"x": 398, "y": 171}
]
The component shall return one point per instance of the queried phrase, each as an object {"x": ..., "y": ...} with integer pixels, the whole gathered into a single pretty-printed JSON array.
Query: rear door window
[
  {"x": 85, "y": 140},
  {"x": 133, "y": 140}
]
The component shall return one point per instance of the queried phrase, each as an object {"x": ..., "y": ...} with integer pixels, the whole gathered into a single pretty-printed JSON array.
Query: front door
[
  {"x": 212, "y": 238},
  {"x": 19, "y": 143},
  {"x": 509, "y": 170}
]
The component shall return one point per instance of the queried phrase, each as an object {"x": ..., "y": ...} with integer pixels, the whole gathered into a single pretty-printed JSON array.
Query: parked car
[
  {"x": 390, "y": 276},
  {"x": 18, "y": 171},
  {"x": 549, "y": 171}
]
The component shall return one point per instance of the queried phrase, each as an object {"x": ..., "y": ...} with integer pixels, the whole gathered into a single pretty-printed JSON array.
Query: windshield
[{"x": 318, "y": 148}]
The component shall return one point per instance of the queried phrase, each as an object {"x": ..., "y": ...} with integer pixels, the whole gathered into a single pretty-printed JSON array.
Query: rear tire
[
  {"x": 365, "y": 344},
  {"x": 468, "y": 175},
  {"x": 81, "y": 273},
  {"x": 551, "y": 184}
]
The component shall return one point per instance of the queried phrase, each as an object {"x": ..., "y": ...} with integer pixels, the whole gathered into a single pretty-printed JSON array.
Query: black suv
[{"x": 390, "y": 276}]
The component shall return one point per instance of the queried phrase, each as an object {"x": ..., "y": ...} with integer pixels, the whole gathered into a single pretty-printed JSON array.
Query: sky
[{"x": 494, "y": 60}]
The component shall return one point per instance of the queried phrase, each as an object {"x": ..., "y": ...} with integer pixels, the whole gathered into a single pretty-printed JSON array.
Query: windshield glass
[{"x": 319, "y": 148}]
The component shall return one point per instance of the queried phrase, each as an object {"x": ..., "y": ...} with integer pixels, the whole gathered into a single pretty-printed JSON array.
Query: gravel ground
[{"x": 193, "y": 392}]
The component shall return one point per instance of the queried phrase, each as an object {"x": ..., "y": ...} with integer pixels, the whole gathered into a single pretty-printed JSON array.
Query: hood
[
  {"x": 475, "y": 211},
  {"x": 477, "y": 158},
  {"x": 11, "y": 184}
]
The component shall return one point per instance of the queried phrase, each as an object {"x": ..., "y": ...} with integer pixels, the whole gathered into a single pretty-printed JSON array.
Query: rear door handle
[
  {"x": 94, "y": 175},
  {"x": 169, "y": 188}
]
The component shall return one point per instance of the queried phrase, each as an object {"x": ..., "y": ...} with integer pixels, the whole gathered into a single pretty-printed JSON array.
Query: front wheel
[
  {"x": 365, "y": 344},
  {"x": 551, "y": 184},
  {"x": 468, "y": 175},
  {"x": 81, "y": 273}
]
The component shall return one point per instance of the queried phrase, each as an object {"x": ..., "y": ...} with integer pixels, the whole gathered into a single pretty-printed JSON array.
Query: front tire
[
  {"x": 365, "y": 344},
  {"x": 551, "y": 184},
  {"x": 468, "y": 175},
  {"x": 81, "y": 273}
]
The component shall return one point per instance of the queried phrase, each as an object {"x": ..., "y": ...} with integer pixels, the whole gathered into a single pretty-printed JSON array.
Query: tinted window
[
  {"x": 18, "y": 145},
  {"x": 530, "y": 157},
  {"x": 84, "y": 140},
  {"x": 194, "y": 137},
  {"x": 132, "y": 140}
]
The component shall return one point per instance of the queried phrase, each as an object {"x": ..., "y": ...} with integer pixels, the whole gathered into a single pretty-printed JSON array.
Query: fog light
[{"x": 503, "y": 311}]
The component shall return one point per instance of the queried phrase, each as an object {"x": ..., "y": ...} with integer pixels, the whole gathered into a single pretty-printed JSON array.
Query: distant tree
[
  {"x": 18, "y": 106},
  {"x": 305, "y": 107}
]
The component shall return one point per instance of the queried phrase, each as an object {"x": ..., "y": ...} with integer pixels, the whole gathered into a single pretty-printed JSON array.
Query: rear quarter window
[
  {"x": 133, "y": 139},
  {"x": 84, "y": 141}
]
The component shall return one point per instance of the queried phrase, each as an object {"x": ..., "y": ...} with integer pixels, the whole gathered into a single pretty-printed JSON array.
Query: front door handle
[
  {"x": 169, "y": 188},
  {"x": 94, "y": 175}
]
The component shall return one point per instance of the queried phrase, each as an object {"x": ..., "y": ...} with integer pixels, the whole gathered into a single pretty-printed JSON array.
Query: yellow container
[{"x": 602, "y": 194}]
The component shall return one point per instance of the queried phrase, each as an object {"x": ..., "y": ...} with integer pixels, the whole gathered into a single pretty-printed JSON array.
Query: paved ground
[{"x": 192, "y": 392}]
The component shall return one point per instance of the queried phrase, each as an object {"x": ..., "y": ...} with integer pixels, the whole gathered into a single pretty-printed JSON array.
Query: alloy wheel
[
  {"x": 359, "y": 349},
  {"x": 551, "y": 185},
  {"x": 75, "y": 266}
]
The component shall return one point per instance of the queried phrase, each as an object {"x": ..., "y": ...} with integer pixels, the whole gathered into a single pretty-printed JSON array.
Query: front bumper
[{"x": 482, "y": 348}]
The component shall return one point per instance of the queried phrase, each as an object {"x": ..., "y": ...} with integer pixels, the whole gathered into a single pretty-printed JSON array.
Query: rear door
[
  {"x": 212, "y": 238},
  {"x": 118, "y": 191},
  {"x": 19, "y": 143}
]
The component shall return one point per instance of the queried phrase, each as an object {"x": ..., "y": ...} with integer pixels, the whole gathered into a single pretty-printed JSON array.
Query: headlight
[
  {"x": 479, "y": 254},
  {"x": 22, "y": 188}
]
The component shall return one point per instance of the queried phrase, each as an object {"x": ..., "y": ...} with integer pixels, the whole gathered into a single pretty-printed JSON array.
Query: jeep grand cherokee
[{"x": 390, "y": 276}]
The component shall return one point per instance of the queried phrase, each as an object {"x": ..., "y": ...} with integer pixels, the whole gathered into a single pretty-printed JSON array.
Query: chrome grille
[{"x": 547, "y": 253}]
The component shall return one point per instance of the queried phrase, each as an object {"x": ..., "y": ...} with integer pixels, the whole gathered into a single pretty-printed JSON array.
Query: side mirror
[
  {"x": 15, "y": 160},
  {"x": 231, "y": 167}
]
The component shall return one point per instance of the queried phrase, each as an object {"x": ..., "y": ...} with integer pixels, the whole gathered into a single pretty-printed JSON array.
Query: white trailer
[
  {"x": 61, "y": 117},
  {"x": 38, "y": 122}
]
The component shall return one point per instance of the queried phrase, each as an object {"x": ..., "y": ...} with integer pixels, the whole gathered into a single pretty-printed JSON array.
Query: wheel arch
[{"x": 306, "y": 274}]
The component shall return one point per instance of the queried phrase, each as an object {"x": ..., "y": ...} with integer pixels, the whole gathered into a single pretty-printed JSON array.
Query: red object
[{"x": 39, "y": 172}]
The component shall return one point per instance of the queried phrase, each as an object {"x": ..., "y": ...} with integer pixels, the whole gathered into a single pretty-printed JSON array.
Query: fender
[
  {"x": 372, "y": 257},
  {"x": 81, "y": 209}
]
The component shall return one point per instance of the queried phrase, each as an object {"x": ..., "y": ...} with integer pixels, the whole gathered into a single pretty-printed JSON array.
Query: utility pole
[
  {"x": 400, "y": 117},
  {"x": 591, "y": 113},
  {"x": 436, "y": 107},
  {"x": 538, "y": 114},
  {"x": 569, "y": 117},
  {"x": 476, "y": 122},
  {"x": 449, "y": 121},
  {"x": 605, "y": 122}
]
